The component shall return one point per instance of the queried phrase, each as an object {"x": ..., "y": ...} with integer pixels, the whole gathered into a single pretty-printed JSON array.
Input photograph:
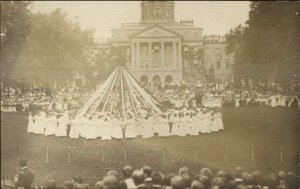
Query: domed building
[{"x": 160, "y": 49}]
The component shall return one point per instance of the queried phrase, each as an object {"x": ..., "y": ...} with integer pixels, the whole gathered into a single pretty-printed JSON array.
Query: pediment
[{"x": 156, "y": 31}]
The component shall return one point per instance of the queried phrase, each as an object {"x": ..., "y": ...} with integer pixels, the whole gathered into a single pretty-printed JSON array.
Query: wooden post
[
  {"x": 47, "y": 158},
  {"x": 281, "y": 155},
  {"x": 125, "y": 155},
  {"x": 102, "y": 152},
  {"x": 195, "y": 154},
  {"x": 226, "y": 155},
  {"x": 252, "y": 153},
  {"x": 164, "y": 156},
  {"x": 69, "y": 155}
]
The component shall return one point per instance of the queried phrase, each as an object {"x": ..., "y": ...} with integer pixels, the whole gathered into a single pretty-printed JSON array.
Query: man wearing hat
[{"x": 25, "y": 177}]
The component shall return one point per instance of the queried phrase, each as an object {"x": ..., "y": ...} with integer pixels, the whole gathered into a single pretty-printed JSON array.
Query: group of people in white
[{"x": 182, "y": 123}]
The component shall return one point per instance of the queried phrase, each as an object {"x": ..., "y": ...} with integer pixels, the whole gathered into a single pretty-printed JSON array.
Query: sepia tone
[{"x": 159, "y": 104}]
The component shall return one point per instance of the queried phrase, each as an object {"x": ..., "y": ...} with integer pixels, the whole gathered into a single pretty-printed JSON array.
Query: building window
[
  {"x": 227, "y": 64},
  {"x": 157, "y": 11},
  {"x": 218, "y": 64},
  {"x": 212, "y": 66}
]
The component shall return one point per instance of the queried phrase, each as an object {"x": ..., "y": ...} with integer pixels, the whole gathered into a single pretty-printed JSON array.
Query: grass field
[{"x": 272, "y": 132}]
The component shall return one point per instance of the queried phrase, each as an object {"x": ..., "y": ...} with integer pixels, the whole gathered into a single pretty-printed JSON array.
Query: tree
[
  {"x": 55, "y": 48},
  {"x": 268, "y": 46},
  {"x": 15, "y": 26}
]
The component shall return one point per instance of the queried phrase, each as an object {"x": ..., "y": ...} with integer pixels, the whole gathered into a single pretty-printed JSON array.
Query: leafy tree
[
  {"x": 15, "y": 26},
  {"x": 268, "y": 46},
  {"x": 55, "y": 49}
]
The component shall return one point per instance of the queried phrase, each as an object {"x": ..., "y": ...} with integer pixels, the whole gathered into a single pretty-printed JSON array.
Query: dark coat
[{"x": 25, "y": 178}]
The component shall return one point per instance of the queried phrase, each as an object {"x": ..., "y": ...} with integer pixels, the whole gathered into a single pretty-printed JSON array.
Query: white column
[
  {"x": 137, "y": 55},
  {"x": 162, "y": 60},
  {"x": 132, "y": 53},
  {"x": 179, "y": 56},
  {"x": 150, "y": 54},
  {"x": 174, "y": 55}
]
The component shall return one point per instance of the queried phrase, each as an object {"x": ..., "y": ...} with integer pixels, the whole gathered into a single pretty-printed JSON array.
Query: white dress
[
  {"x": 106, "y": 131},
  {"x": 61, "y": 130},
  {"x": 91, "y": 129},
  {"x": 273, "y": 101},
  {"x": 51, "y": 126},
  {"x": 130, "y": 130},
  {"x": 30, "y": 125},
  {"x": 75, "y": 128},
  {"x": 40, "y": 124},
  {"x": 147, "y": 129},
  {"x": 163, "y": 128},
  {"x": 206, "y": 128},
  {"x": 219, "y": 121},
  {"x": 214, "y": 126},
  {"x": 116, "y": 129}
]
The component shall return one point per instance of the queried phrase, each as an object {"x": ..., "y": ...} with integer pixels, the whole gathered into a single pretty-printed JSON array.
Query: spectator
[
  {"x": 25, "y": 177},
  {"x": 51, "y": 184}
]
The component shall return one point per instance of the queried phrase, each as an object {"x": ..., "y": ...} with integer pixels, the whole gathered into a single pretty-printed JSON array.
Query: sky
[{"x": 215, "y": 17}]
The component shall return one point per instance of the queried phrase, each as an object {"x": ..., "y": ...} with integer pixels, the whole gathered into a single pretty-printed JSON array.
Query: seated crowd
[
  {"x": 174, "y": 95},
  {"x": 147, "y": 178}
]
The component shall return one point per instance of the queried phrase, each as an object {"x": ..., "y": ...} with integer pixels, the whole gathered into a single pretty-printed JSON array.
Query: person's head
[
  {"x": 111, "y": 182},
  {"x": 99, "y": 185},
  {"x": 183, "y": 170},
  {"x": 220, "y": 182},
  {"x": 238, "y": 172},
  {"x": 23, "y": 162},
  {"x": 157, "y": 178},
  {"x": 187, "y": 179},
  {"x": 292, "y": 180},
  {"x": 231, "y": 184},
  {"x": 257, "y": 178},
  {"x": 206, "y": 172},
  {"x": 197, "y": 185},
  {"x": 68, "y": 185},
  {"x": 114, "y": 173},
  {"x": 147, "y": 171},
  {"x": 127, "y": 171},
  {"x": 177, "y": 182},
  {"x": 51, "y": 184},
  {"x": 247, "y": 178},
  {"x": 282, "y": 175},
  {"x": 205, "y": 181},
  {"x": 138, "y": 177},
  {"x": 168, "y": 178}
]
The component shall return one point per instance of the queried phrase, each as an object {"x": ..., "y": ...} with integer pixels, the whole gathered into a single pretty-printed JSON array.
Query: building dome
[{"x": 157, "y": 12}]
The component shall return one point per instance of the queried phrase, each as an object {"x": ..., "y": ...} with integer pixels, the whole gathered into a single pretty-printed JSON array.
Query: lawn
[{"x": 257, "y": 138}]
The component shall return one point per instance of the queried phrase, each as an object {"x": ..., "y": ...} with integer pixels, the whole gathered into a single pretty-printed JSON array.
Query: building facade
[{"x": 160, "y": 49}]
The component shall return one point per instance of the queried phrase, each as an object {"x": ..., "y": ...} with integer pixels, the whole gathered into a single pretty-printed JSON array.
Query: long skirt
[
  {"x": 131, "y": 131},
  {"x": 147, "y": 131}
]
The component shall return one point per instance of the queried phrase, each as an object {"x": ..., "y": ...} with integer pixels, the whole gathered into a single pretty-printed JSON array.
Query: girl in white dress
[
  {"x": 219, "y": 121},
  {"x": 40, "y": 123},
  {"x": 91, "y": 129},
  {"x": 75, "y": 128},
  {"x": 174, "y": 123},
  {"x": 51, "y": 126},
  {"x": 195, "y": 125},
  {"x": 181, "y": 127},
  {"x": 116, "y": 129},
  {"x": 207, "y": 122},
  {"x": 106, "y": 132},
  {"x": 164, "y": 129},
  {"x": 61, "y": 130},
  {"x": 130, "y": 130},
  {"x": 214, "y": 126},
  {"x": 30, "y": 124},
  {"x": 148, "y": 128}
]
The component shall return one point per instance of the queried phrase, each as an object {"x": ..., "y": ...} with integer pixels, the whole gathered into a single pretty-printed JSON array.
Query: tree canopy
[
  {"x": 53, "y": 47},
  {"x": 267, "y": 47}
]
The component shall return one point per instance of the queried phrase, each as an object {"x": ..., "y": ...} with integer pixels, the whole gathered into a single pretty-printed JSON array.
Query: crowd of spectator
[
  {"x": 175, "y": 95},
  {"x": 147, "y": 178}
]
